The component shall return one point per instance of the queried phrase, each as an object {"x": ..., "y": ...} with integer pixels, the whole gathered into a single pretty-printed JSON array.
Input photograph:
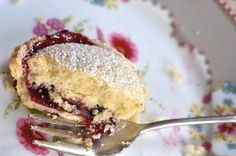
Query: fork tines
[
  {"x": 56, "y": 121},
  {"x": 76, "y": 131},
  {"x": 65, "y": 147},
  {"x": 55, "y": 132}
]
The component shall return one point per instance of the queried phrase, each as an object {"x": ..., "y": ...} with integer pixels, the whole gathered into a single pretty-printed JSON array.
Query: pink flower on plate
[
  {"x": 100, "y": 35},
  {"x": 207, "y": 145},
  {"x": 206, "y": 99},
  {"x": 40, "y": 29},
  {"x": 229, "y": 128},
  {"x": 55, "y": 24},
  {"x": 125, "y": 1},
  {"x": 124, "y": 45},
  {"x": 25, "y": 136}
]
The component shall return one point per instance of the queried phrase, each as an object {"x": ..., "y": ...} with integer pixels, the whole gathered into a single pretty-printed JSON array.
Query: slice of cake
[{"x": 77, "y": 78}]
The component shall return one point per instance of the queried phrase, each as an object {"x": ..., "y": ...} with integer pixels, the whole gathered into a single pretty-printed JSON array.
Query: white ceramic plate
[{"x": 177, "y": 76}]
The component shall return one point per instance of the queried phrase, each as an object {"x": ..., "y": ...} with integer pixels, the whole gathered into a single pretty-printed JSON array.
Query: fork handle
[{"x": 188, "y": 121}]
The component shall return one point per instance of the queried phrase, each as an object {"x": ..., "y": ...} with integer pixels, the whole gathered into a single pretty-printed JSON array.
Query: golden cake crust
[{"x": 132, "y": 107}]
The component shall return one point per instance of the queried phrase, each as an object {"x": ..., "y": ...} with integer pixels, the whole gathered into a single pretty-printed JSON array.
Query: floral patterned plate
[
  {"x": 229, "y": 7},
  {"x": 177, "y": 76}
]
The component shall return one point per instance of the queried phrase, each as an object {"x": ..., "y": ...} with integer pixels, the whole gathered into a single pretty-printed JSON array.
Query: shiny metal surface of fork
[{"x": 125, "y": 133}]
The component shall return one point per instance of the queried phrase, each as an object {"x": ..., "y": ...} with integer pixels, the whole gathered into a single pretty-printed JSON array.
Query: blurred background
[{"x": 204, "y": 24}]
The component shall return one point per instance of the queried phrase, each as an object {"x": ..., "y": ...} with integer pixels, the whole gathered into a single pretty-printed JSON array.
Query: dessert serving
[{"x": 78, "y": 79}]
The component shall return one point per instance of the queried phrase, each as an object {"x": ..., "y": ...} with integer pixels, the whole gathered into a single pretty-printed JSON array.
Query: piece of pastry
[{"x": 77, "y": 78}]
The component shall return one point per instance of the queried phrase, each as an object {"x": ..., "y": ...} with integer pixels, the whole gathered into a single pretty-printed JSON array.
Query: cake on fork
[{"x": 78, "y": 79}]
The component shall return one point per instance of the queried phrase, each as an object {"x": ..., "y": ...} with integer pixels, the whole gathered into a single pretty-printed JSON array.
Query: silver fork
[{"x": 125, "y": 133}]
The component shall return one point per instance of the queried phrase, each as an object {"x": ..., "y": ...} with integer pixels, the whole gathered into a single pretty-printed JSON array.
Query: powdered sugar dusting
[{"x": 109, "y": 65}]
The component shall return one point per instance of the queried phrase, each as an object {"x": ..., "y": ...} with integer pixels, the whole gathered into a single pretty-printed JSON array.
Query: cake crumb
[
  {"x": 96, "y": 136},
  {"x": 105, "y": 115},
  {"x": 68, "y": 106},
  {"x": 48, "y": 114},
  {"x": 108, "y": 128},
  {"x": 54, "y": 116},
  {"x": 95, "y": 112},
  {"x": 125, "y": 143},
  {"x": 88, "y": 143}
]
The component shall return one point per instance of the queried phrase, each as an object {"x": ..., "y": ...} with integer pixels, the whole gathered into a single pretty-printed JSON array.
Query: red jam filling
[{"x": 40, "y": 94}]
